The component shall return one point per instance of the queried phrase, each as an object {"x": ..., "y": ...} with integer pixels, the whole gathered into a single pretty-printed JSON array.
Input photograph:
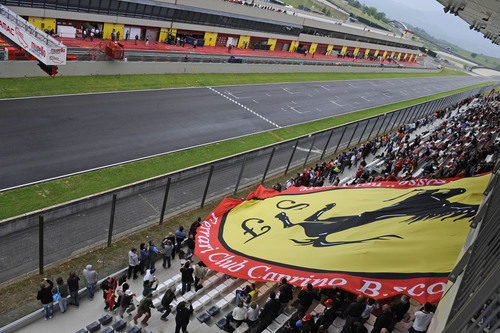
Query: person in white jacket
[{"x": 422, "y": 319}]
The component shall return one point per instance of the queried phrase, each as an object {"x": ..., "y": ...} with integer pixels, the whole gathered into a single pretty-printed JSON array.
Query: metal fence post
[
  {"x": 415, "y": 112},
  {"x": 241, "y": 174},
  {"x": 310, "y": 149},
  {"x": 341, "y": 137},
  {"x": 352, "y": 136},
  {"x": 363, "y": 133},
  {"x": 291, "y": 157},
  {"x": 268, "y": 165},
  {"x": 165, "y": 198},
  {"x": 206, "y": 186},
  {"x": 40, "y": 244},
  {"x": 405, "y": 116},
  {"x": 381, "y": 125},
  {"x": 421, "y": 108},
  {"x": 390, "y": 120},
  {"x": 111, "y": 219},
  {"x": 375, "y": 124},
  {"x": 326, "y": 145}
]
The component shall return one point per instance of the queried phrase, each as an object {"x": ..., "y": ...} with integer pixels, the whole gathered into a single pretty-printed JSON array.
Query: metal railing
[{"x": 81, "y": 224}]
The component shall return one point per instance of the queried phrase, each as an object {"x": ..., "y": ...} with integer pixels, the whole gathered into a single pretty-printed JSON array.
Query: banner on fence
[{"x": 376, "y": 239}]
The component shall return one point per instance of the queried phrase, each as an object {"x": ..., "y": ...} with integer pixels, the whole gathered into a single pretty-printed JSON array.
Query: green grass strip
[
  {"x": 41, "y": 86},
  {"x": 23, "y": 200}
]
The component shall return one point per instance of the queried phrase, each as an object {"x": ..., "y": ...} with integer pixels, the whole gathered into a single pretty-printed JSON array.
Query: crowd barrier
[{"x": 58, "y": 232}]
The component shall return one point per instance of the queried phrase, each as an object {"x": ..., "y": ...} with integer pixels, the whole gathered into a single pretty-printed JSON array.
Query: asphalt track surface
[{"x": 47, "y": 137}]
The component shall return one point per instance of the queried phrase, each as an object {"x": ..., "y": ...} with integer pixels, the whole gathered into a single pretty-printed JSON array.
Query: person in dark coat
[
  {"x": 286, "y": 293},
  {"x": 269, "y": 313},
  {"x": 45, "y": 297},
  {"x": 73, "y": 288},
  {"x": 385, "y": 320},
  {"x": 194, "y": 226},
  {"x": 187, "y": 277},
  {"x": 306, "y": 298},
  {"x": 182, "y": 316},
  {"x": 353, "y": 313},
  {"x": 167, "y": 298}
]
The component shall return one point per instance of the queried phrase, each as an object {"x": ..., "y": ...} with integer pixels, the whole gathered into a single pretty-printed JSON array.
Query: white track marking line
[
  {"x": 335, "y": 102},
  {"x": 255, "y": 101},
  {"x": 288, "y": 91},
  {"x": 366, "y": 99},
  {"x": 325, "y": 88},
  {"x": 244, "y": 107}
]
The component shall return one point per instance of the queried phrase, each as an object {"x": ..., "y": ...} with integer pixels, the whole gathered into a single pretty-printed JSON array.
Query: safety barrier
[{"x": 81, "y": 224}]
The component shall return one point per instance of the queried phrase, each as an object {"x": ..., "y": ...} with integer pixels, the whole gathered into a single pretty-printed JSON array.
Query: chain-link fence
[{"x": 81, "y": 224}]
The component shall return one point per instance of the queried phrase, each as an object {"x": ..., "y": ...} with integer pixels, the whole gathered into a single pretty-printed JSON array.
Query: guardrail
[{"x": 69, "y": 228}]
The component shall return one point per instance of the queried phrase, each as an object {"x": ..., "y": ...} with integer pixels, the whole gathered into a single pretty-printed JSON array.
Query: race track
[{"x": 47, "y": 137}]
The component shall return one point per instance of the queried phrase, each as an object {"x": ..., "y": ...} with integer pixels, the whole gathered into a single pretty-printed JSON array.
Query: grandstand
[{"x": 213, "y": 26}]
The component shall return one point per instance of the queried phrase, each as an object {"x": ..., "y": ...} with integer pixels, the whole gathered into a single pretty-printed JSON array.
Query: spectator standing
[
  {"x": 253, "y": 314},
  {"x": 171, "y": 238},
  {"x": 153, "y": 254},
  {"x": 270, "y": 311},
  {"x": 149, "y": 287},
  {"x": 422, "y": 320},
  {"x": 90, "y": 276},
  {"x": 144, "y": 308},
  {"x": 108, "y": 292},
  {"x": 400, "y": 309},
  {"x": 187, "y": 277},
  {"x": 180, "y": 235},
  {"x": 286, "y": 293},
  {"x": 306, "y": 298},
  {"x": 167, "y": 298},
  {"x": 371, "y": 304},
  {"x": 127, "y": 303},
  {"x": 147, "y": 41},
  {"x": 45, "y": 297},
  {"x": 143, "y": 258},
  {"x": 91, "y": 36},
  {"x": 182, "y": 316},
  {"x": 84, "y": 33},
  {"x": 117, "y": 35},
  {"x": 385, "y": 320},
  {"x": 200, "y": 271},
  {"x": 353, "y": 312},
  {"x": 166, "y": 252},
  {"x": 194, "y": 227},
  {"x": 133, "y": 263},
  {"x": 72, "y": 281},
  {"x": 61, "y": 289},
  {"x": 136, "y": 39},
  {"x": 190, "y": 245}
]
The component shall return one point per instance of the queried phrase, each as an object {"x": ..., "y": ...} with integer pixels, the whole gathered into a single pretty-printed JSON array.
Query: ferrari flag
[{"x": 375, "y": 239}]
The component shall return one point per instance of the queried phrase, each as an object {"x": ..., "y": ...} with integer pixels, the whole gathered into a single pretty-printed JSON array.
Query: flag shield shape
[{"x": 376, "y": 239}]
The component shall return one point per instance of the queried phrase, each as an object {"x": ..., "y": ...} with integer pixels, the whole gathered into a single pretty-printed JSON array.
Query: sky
[{"x": 429, "y": 15}]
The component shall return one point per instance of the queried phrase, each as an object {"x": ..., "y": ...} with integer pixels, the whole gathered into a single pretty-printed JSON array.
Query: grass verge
[
  {"x": 40, "y": 86},
  {"x": 27, "y": 199}
]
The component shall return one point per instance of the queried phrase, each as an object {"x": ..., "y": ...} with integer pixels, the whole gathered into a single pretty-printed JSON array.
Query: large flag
[{"x": 376, "y": 239}]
